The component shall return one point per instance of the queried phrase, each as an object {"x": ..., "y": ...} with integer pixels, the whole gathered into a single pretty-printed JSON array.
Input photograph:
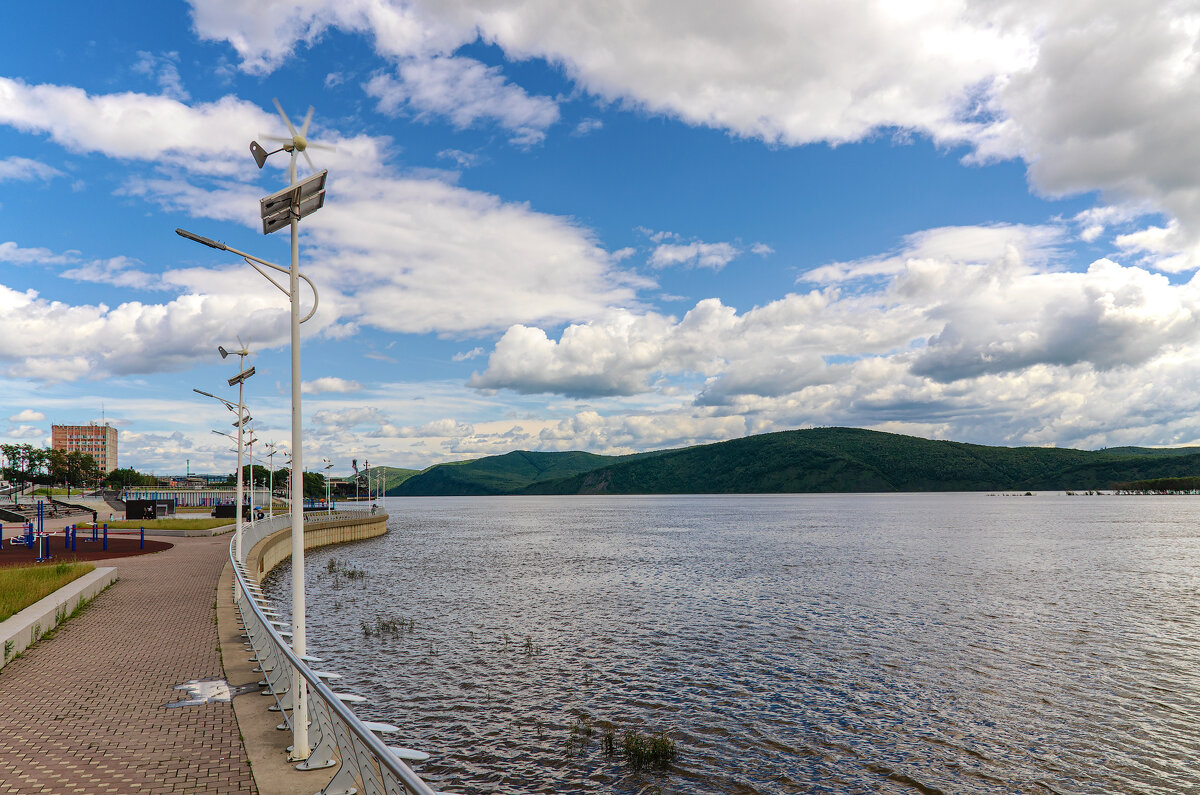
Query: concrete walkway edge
[
  {"x": 266, "y": 745},
  {"x": 25, "y": 628}
]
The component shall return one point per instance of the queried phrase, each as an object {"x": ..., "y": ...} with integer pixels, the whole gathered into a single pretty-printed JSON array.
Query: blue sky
[{"x": 623, "y": 227}]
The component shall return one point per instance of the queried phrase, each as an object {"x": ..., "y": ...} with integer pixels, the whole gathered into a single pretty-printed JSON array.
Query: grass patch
[
  {"x": 206, "y": 523},
  {"x": 647, "y": 750},
  {"x": 21, "y": 586},
  {"x": 55, "y": 492}
]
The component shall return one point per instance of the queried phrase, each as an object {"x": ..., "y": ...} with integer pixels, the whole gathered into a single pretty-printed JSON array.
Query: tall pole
[
  {"x": 300, "y": 749},
  {"x": 250, "y": 444},
  {"x": 271, "y": 478},
  {"x": 237, "y": 539}
]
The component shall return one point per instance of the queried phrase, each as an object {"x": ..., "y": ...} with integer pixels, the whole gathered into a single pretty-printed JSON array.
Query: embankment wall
[{"x": 277, "y": 547}]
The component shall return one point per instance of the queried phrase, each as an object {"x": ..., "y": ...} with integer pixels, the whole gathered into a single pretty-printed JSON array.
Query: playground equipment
[{"x": 37, "y": 536}]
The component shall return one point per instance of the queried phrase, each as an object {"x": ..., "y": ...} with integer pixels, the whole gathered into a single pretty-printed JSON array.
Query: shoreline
[{"x": 264, "y": 744}]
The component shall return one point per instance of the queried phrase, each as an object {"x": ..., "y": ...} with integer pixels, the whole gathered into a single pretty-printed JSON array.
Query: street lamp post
[
  {"x": 243, "y": 418},
  {"x": 271, "y": 476},
  {"x": 328, "y": 466},
  {"x": 240, "y": 380},
  {"x": 250, "y": 448},
  {"x": 290, "y": 205}
]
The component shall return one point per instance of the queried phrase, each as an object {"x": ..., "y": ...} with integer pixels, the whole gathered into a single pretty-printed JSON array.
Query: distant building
[{"x": 98, "y": 441}]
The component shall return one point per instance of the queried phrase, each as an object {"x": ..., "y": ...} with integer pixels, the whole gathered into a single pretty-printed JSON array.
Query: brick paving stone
[{"x": 84, "y": 711}]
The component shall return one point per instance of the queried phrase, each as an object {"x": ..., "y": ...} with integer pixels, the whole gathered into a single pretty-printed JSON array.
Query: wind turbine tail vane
[{"x": 298, "y": 143}]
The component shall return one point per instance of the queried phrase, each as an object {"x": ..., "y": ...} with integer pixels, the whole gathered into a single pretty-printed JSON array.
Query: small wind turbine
[{"x": 297, "y": 143}]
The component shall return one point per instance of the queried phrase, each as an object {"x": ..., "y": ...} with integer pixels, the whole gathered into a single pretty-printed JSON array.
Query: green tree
[
  {"x": 25, "y": 463},
  {"x": 16, "y": 462},
  {"x": 120, "y": 478},
  {"x": 314, "y": 484},
  {"x": 258, "y": 475},
  {"x": 83, "y": 468},
  {"x": 57, "y": 465}
]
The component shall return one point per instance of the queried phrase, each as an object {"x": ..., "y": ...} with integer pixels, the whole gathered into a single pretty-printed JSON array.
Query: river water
[{"x": 958, "y": 643}]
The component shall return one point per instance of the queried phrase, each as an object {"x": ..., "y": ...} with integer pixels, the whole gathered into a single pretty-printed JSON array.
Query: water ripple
[{"x": 842, "y": 644}]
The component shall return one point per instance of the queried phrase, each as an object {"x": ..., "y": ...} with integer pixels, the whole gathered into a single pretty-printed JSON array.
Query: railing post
[
  {"x": 106, "y": 536},
  {"x": 142, "y": 539}
]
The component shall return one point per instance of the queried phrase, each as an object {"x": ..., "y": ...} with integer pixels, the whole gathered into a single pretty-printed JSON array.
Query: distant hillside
[
  {"x": 392, "y": 476},
  {"x": 501, "y": 474},
  {"x": 816, "y": 460},
  {"x": 1151, "y": 450},
  {"x": 855, "y": 460}
]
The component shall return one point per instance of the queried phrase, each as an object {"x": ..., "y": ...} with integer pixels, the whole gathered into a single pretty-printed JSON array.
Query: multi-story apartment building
[{"x": 98, "y": 441}]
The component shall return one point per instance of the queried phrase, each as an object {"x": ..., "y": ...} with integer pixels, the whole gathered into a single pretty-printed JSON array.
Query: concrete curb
[
  {"x": 212, "y": 531},
  {"x": 25, "y": 628},
  {"x": 265, "y": 745}
]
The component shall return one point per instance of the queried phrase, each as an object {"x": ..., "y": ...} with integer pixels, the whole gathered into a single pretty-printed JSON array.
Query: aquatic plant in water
[{"x": 647, "y": 750}]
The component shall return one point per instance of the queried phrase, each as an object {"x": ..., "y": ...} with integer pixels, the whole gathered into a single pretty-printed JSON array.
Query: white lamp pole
[
  {"x": 271, "y": 478},
  {"x": 237, "y": 541},
  {"x": 240, "y": 445},
  {"x": 288, "y": 206},
  {"x": 250, "y": 448},
  {"x": 328, "y": 466},
  {"x": 300, "y": 749},
  {"x": 240, "y": 410}
]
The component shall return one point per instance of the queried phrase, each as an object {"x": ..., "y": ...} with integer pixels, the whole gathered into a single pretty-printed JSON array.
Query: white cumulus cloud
[
  {"x": 995, "y": 342},
  {"x": 694, "y": 255},
  {"x": 22, "y": 169},
  {"x": 1092, "y": 96},
  {"x": 466, "y": 92},
  {"x": 329, "y": 384}
]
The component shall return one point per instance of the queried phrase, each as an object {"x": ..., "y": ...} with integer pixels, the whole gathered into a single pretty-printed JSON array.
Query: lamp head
[{"x": 260, "y": 154}]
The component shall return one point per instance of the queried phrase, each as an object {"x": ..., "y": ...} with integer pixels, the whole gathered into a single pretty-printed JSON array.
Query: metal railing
[{"x": 338, "y": 737}]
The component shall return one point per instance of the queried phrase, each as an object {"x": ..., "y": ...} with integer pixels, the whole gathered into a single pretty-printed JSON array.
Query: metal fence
[
  {"x": 337, "y": 736},
  {"x": 197, "y": 498}
]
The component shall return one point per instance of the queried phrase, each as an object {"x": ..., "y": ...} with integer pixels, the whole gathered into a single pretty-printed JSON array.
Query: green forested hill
[
  {"x": 850, "y": 460},
  {"x": 500, "y": 474},
  {"x": 393, "y": 476},
  {"x": 1157, "y": 451},
  {"x": 816, "y": 460}
]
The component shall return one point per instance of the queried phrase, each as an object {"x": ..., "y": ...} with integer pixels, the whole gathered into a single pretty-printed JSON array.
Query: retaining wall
[
  {"x": 25, "y": 628},
  {"x": 277, "y": 547}
]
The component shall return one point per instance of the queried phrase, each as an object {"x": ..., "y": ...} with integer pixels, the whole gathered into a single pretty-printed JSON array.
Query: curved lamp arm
[{"x": 251, "y": 260}]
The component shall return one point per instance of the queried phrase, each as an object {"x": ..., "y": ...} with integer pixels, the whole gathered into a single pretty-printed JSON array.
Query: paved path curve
[{"x": 84, "y": 712}]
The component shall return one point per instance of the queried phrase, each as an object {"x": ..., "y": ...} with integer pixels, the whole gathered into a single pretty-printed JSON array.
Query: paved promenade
[{"x": 85, "y": 711}]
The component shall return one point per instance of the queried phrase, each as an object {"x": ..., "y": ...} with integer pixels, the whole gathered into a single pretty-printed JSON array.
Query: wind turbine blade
[
  {"x": 310, "y": 162},
  {"x": 286, "y": 120},
  {"x": 279, "y": 138},
  {"x": 307, "y": 119},
  {"x": 322, "y": 147}
]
